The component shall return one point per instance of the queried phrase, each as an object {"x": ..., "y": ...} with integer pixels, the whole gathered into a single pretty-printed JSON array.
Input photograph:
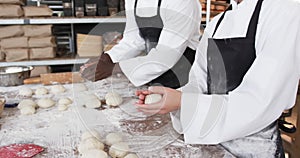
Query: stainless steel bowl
[{"x": 14, "y": 75}]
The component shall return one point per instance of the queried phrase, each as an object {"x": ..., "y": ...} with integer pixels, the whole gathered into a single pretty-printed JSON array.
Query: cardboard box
[
  {"x": 38, "y": 70},
  {"x": 89, "y": 45}
]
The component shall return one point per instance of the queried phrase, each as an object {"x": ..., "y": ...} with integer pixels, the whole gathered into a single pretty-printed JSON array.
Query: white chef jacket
[
  {"x": 268, "y": 88},
  {"x": 181, "y": 19}
]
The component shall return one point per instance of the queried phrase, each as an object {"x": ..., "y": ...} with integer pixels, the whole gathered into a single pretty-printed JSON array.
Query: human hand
[
  {"x": 171, "y": 100},
  {"x": 97, "y": 68}
]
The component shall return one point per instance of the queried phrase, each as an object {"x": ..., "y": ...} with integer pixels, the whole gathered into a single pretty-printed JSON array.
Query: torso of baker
[
  {"x": 228, "y": 60},
  {"x": 167, "y": 33},
  {"x": 150, "y": 29}
]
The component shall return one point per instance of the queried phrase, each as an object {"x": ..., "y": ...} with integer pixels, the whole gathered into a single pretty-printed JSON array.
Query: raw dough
[
  {"x": 90, "y": 134},
  {"x": 56, "y": 89},
  {"x": 27, "y": 102},
  {"x": 152, "y": 98},
  {"x": 65, "y": 101},
  {"x": 79, "y": 87},
  {"x": 41, "y": 91},
  {"x": 113, "y": 138},
  {"x": 25, "y": 91},
  {"x": 62, "y": 107},
  {"x": 89, "y": 100},
  {"x": 119, "y": 150},
  {"x": 113, "y": 99},
  {"x": 131, "y": 156},
  {"x": 93, "y": 103},
  {"x": 89, "y": 144},
  {"x": 45, "y": 103},
  {"x": 94, "y": 153},
  {"x": 27, "y": 110}
]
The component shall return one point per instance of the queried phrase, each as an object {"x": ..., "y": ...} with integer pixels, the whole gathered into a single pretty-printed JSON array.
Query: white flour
[{"x": 59, "y": 131}]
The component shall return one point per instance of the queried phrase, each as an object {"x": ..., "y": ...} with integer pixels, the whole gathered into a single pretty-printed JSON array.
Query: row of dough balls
[
  {"x": 92, "y": 101},
  {"x": 92, "y": 147},
  {"x": 55, "y": 89},
  {"x": 28, "y": 106}
]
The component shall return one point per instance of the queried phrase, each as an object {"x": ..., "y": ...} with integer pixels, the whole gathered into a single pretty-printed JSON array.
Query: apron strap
[
  {"x": 251, "y": 33},
  {"x": 220, "y": 20},
  {"x": 158, "y": 9}
]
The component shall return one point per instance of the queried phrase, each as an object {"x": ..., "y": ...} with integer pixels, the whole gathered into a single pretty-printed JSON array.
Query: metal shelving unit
[
  {"x": 58, "y": 21},
  {"x": 63, "y": 20}
]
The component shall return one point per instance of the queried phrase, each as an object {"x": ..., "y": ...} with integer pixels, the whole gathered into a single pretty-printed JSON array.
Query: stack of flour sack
[{"x": 25, "y": 42}]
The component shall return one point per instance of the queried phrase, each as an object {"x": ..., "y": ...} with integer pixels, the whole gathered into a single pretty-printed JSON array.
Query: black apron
[
  {"x": 228, "y": 60},
  {"x": 150, "y": 29}
]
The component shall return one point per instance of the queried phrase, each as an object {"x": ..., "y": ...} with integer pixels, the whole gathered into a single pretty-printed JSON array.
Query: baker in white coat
[
  {"x": 245, "y": 74},
  {"x": 167, "y": 30}
]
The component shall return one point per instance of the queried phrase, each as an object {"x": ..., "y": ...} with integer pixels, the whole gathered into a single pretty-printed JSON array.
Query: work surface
[{"x": 59, "y": 131}]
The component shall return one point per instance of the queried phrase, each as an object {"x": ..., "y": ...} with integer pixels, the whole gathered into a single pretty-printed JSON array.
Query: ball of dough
[
  {"x": 62, "y": 107},
  {"x": 56, "y": 89},
  {"x": 113, "y": 99},
  {"x": 27, "y": 110},
  {"x": 113, "y": 138},
  {"x": 119, "y": 150},
  {"x": 152, "y": 98},
  {"x": 94, "y": 153},
  {"x": 79, "y": 87},
  {"x": 131, "y": 156},
  {"x": 89, "y": 144},
  {"x": 94, "y": 103},
  {"x": 27, "y": 102},
  {"x": 41, "y": 91},
  {"x": 65, "y": 101},
  {"x": 45, "y": 103},
  {"x": 25, "y": 91},
  {"x": 87, "y": 100},
  {"x": 90, "y": 134}
]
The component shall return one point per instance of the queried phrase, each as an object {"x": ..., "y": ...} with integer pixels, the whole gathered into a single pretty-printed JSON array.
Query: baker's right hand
[{"x": 97, "y": 68}]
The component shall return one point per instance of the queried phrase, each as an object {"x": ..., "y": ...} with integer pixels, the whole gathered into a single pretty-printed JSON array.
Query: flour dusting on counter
[{"x": 59, "y": 132}]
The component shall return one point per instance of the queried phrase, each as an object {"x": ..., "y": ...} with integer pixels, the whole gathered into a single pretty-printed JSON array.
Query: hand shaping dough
[
  {"x": 41, "y": 91},
  {"x": 45, "y": 103},
  {"x": 113, "y": 138},
  {"x": 89, "y": 144},
  {"x": 94, "y": 153},
  {"x": 27, "y": 102},
  {"x": 25, "y": 91},
  {"x": 131, "y": 156},
  {"x": 113, "y": 99},
  {"x": 90, "y": 134},
  {"x": 65, "y": 101},
  {"x": 56, "y": 89},
  {"x": 79, "y": 87},
  {"x": 119, "y": 150},
  {"x": 152, "y": 98},
  {"x": 62, "y": 107},
  {"x": 27, "y": 110}
]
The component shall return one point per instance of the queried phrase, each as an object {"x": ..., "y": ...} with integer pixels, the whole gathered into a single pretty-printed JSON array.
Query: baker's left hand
[{"x": 171, "y": 100}]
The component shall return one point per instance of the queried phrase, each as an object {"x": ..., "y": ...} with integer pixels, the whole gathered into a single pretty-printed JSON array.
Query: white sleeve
[
  {"x": 268, "y": 88},
  {"x": 179, "y": 28},
  {"x": 132, "y": 43}
]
